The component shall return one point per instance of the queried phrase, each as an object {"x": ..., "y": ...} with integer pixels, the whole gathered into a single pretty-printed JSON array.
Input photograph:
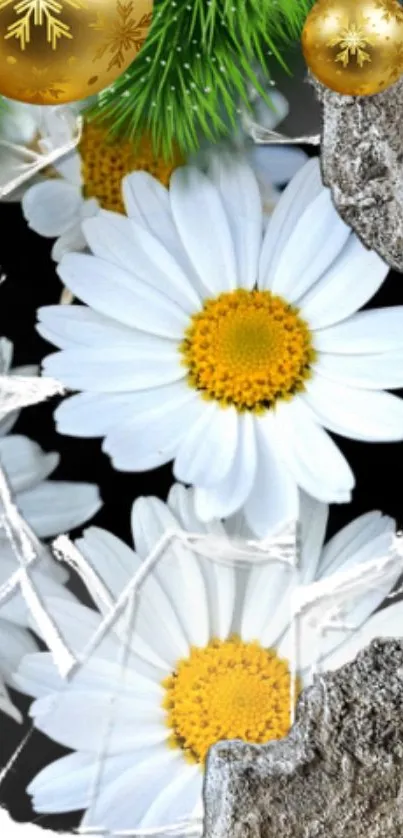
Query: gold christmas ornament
[
  {"x": 355, "y": 47},
  {"x": 58, "y": 51}
]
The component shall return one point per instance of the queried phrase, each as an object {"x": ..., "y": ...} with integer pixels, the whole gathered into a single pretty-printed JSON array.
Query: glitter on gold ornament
[
  {"x": 58, "y": 51},
  {"x": 355, "y": 47}
]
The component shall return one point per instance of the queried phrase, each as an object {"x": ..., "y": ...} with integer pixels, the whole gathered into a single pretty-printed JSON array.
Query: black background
[{"x": 32, "y": 282}]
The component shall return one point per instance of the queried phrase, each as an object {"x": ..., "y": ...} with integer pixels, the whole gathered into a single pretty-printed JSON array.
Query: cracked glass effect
[{"x": 20, "y": 164}]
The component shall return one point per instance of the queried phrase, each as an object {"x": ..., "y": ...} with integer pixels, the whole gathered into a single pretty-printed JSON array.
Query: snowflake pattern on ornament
[
  {"x": 353, "y": 41},
  {"x": 44, "y": 13},
  {"x": 127, "y": 32},
  {"x": 391, "y": 10}
]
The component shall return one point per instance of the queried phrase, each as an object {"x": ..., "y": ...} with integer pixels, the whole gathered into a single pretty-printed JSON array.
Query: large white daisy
[
  {"x": 49, "y": 507},
  {"x": 225, "y": 351},
  {"x": 205, "y": 662}
]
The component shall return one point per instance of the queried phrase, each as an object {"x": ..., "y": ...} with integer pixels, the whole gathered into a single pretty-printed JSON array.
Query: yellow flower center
[
  {"x": 227, "y": 690},
  {"x": 104, "y": 164},
  {"x": 248, "y": 349}
]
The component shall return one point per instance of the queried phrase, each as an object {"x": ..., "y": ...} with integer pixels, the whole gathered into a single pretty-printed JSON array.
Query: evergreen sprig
[{"x": 195, "y": 68}]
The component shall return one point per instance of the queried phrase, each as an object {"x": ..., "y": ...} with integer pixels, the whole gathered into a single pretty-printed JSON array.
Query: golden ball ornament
[
  {"x": 355, "y": 47},
  {"x": 58, "y": 51}
]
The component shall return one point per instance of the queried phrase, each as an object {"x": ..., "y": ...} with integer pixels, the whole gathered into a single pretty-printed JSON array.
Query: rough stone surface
[
  {"x": 362, "y": 163},
  {"x": 338, "y": 774}
]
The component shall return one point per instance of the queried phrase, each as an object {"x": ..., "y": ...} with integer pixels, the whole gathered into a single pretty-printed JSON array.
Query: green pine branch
[{"x": 196, "y": 67}]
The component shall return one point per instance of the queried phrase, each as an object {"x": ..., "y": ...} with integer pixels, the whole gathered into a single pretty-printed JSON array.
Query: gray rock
[
  {"x": 338, "y": 774},
  {"x": 362, "y": 164}
]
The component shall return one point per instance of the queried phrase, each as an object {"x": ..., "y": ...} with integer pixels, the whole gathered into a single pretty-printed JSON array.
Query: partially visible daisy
[
  {"x": 89, "y": 179},
  {"x": 205, "y": 662},
  {"x": 49, "y": 507},
  {"x": 223, "y": 350}
]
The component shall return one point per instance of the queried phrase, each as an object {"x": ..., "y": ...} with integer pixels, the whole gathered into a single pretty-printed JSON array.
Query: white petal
[
  {"x": 38, "y": 676},
  {"x": 387, "y": 623},
  {"x": 68, "y": 784},
  {"x": 271, "y": 114},
  {"x": 24, "y": 462},
  {"x": 276, "y": 165},
  {"x": 176, "y": 800},
  {"x": 111, "y": 558},
  {"x": 127, "y": 244},
  {"x": 46, "y": 576},
  {"x": 372, "y": 372},
  {"x": 313, "y": 520},
  {"x": 378, "y": 330},
  {"x": 232, "y": 492},
  {"x": 52, "y": 207},
  {"x": 119, "y": 294},
  {"x": 299, "y": 194},
  {"x": 72, "y": 241},
  {"x": 123, "y": 801},
  {"x": 7, "y": 706},
  {"x": 313, "y": 458},
  {"x": 56, "y": 507},
  {"x": 156, "y": 621},
  {"x": 357, "y": 414},
  {"x": 62, "y": 716},
  {"x": 350, "y": 540},
  {"x": 273, "y": 500},
  {"x": 15, "y": 643},
  {"x": 150, "y": 361},
  {"x": 208, "y": 450},
  {"x": 20, "y": 122},
  {"x": 71, "y": 326},
  {"x": 6, "y": 355},
  {"x": 267, "y": 610},
  {"x": 8, "y": 422},
  {"x": 240, "y": 196},
  {"x": 147, "y": 202},
  {"x": 151, "y": 437},
  {"x": 77, "y": 624},
  {"x": 178, "y": 568},
  {"x": 318, "y": 238},
  {"x": 181, "y": 502},
  {"x": 203, "y": 228},
  {"x": 337, "y": 295},
  {"x": 151, "y": 519},
  {"x": 96, "y": 414}
]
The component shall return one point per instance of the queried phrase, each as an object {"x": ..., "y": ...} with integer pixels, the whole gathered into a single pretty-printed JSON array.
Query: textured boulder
[
  {"x": 338, "y": 774},
  {"x": 362, "y": 163}
]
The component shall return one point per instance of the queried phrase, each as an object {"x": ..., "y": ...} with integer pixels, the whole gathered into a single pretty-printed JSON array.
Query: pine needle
[{"x": 196, "y": 67}]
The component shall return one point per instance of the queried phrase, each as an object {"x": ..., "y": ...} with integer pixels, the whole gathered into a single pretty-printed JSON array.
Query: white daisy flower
[
  {"x": 89, "y": 179},
  {"x": 205, "y": 637},
  {"x": 50, "y": 507},
  {"x": 225, "y": 351}
]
